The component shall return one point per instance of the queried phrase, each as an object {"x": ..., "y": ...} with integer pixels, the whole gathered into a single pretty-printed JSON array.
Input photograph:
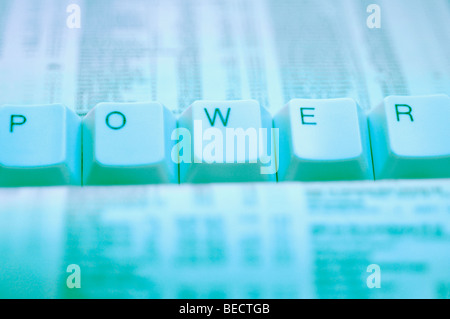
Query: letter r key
[{"x": 410, "y": 137}]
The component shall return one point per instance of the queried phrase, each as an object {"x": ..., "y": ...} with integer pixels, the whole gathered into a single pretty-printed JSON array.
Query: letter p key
[
  {"x": 41, "y": 145},
  {"x": 21, "y": 120}
]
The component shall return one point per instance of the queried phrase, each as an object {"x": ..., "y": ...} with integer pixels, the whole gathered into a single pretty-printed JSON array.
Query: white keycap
[
  {"x": 410, "y": 137},
  {"x": 323, "y": 140},
  {"x": 128, "y": 143},
  {"x": 40, "y": 145},
  {"x": 226, "y": 141}
]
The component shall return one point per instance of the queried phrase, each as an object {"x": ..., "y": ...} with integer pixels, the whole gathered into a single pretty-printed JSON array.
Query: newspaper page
[
  {"x": 179, "y": 51},
  {"x": 291, "y": 240}
]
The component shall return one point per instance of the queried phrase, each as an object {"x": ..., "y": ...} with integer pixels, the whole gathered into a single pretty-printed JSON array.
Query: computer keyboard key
[
  {"x": 410, "y": 137},
  {"x": 40, "y": 145},
  {"x": 128, "y": 143},
  {"x": 322, "y": 140},
  {"x": 226, "y": 141}
]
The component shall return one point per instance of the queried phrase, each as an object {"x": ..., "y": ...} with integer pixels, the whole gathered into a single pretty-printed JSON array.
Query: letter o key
[{"x": 124, "y": 120}]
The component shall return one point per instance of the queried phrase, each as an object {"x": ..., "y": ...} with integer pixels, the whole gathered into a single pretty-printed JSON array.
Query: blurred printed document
[
  {"x": 288, "y": 240},
  {"x": 179, "y": 51}
]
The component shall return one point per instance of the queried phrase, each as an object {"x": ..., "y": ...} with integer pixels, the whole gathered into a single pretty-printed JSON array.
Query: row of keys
[{"x": 225, "y": 141}]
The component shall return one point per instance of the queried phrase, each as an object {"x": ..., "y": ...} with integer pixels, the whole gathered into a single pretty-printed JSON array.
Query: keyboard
[
  {"x": 224, "y": 149},
  {"x": 226, "y": 141}
]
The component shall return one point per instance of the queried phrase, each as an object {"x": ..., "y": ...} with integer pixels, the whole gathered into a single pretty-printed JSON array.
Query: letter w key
[{"x": 217, "y": 112}]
